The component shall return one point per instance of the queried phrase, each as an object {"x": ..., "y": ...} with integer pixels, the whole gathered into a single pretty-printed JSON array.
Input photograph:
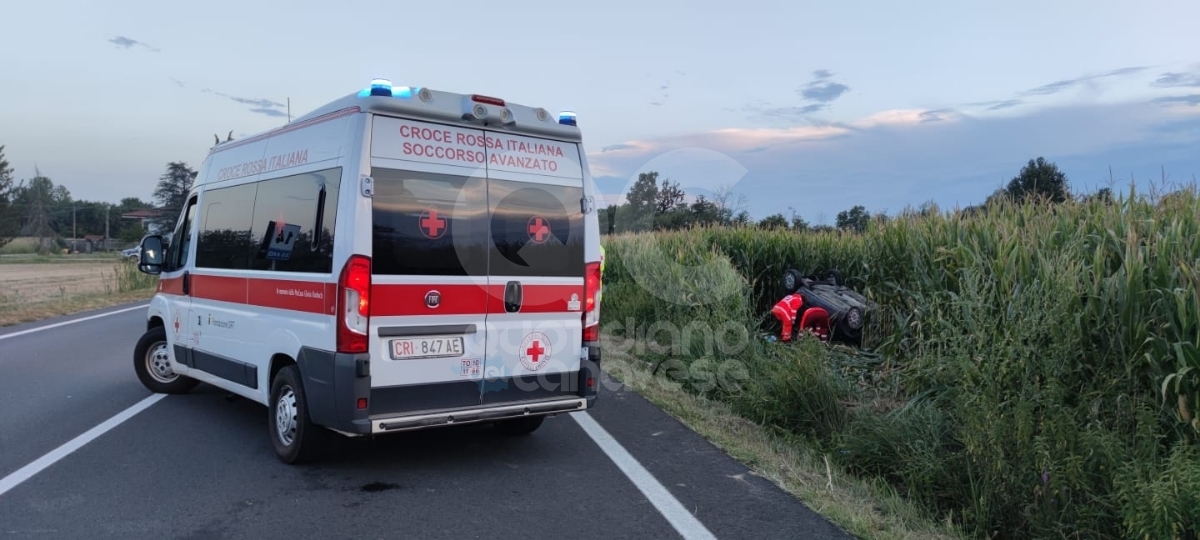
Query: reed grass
[{"x": 1035, "y": 368}]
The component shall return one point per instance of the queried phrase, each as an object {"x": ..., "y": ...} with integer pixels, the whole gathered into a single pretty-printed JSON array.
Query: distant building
[
  {"x": 88, "y": 244},
  {"x": 152, "y": 219}
]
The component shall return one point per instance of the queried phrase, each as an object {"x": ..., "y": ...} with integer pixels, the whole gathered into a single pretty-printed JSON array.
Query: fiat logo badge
[{"x": 433, "y": 299}]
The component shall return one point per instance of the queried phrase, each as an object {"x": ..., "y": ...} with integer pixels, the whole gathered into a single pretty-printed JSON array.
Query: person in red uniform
[
  {"x": 785, "y": 310},
  {"x": 815, "y": 319}
]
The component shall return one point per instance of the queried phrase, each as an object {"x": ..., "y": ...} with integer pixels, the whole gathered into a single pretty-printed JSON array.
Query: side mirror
[{"x": 152, "y": 256}]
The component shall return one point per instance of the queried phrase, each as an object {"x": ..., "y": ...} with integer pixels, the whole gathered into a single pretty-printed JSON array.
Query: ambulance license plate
[{"x": 411, "y": 348}]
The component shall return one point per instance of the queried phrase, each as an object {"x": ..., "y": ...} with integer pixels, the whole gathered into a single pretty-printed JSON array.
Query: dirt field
[{"x": 32, "y": 283}]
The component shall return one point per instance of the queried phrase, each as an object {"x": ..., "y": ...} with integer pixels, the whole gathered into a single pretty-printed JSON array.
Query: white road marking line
[
  {"x": 684, "y": 522},
  {"x": 25, "y": 473},
  {"x": 72, "y": 321}
]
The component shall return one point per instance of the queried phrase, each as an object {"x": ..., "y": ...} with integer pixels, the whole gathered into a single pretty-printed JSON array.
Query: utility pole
[
  {"x": 107, "y": 206},
  {"x": 74, "y": 242}
]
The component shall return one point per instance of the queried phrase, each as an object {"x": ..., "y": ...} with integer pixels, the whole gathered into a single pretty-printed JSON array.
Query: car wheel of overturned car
[
  {"x": 295, "y": 438},
  {"x": 152, "y": 364},
  {"x": 520, "y": 426},
  {"x": 836, "y": 275},
  {"x": 791, "y": 281}
]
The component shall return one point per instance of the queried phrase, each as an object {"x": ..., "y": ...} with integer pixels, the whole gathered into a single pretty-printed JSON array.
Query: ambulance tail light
[
  {"x": 591, "y": 311},
  {"x": 354, "y": 305}
]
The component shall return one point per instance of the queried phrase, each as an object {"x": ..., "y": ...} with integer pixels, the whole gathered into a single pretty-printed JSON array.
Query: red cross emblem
[
  {"x": 431, "y": 225},
  {"x": 534, "y": 351},
  {"x": 539, "y": 229}
]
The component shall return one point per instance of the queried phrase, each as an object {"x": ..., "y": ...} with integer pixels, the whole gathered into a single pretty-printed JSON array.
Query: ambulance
[{"x": 401, "y": 258}]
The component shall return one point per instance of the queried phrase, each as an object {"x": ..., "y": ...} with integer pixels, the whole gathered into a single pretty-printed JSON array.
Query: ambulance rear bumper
[{"x": 409, "y": 422}]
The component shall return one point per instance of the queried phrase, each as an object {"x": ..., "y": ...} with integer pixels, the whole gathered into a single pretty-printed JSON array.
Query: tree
[
  {"x": 1039, "y": 179},
  {"x": 10, "y": 216},
  {"x": 41, "y": 198},
  {"x": 641, "y": 203},
  {"x": 669, "y": 197},
  {"x": 856, "y": 219},
  {"x": 174, "y": 185},
  {"x": 728, "y": 207},
  {"x": 774, "y": 221}
]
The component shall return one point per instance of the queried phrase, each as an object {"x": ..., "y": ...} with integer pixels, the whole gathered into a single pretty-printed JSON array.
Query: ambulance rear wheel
[
  {"x": 295, "y": 438},
  {"x": 152, "y": 364},
  {"x": 520, "y": 426}
]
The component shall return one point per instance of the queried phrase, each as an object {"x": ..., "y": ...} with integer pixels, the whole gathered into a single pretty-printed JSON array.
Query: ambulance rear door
[
  {"x": 535, "y": 268},
  {"x": 429, "y": 265}
]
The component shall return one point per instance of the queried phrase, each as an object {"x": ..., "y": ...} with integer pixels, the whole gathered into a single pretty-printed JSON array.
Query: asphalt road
[{"x": 200, "y": 465}]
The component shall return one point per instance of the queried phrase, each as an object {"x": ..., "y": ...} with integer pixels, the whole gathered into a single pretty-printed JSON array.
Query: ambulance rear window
[
  {"x": 428, "y": 224},
  {"x": 537, "y": 229}
]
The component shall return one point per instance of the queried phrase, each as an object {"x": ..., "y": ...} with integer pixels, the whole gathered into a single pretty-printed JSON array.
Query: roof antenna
[{"x": 289, "y": 100}]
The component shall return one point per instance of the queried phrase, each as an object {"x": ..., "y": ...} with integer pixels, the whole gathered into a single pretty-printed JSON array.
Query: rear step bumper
[{"x": 410, "y": 422}]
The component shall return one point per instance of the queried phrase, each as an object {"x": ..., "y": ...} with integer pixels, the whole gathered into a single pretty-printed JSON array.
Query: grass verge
[
  {"x": 864, "y": 508},
  {"x": 11, "y": 314},
  {"x": 27, "y": 292}
]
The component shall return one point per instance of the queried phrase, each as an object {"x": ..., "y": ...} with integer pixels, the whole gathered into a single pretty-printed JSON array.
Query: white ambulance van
[{"x": 401, "y": 258}]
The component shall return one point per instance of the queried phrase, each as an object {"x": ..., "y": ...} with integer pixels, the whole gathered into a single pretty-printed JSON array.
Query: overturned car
[{"x": 823, "y": 306}]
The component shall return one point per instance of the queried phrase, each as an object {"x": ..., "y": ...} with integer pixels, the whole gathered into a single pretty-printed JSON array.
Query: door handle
[
  {"x": 187, "y": 283},
  {"x": 512, "y": 296}
]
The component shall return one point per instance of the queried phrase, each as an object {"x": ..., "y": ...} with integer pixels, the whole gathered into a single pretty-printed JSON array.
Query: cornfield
[{"x": 1032, "y": 370}]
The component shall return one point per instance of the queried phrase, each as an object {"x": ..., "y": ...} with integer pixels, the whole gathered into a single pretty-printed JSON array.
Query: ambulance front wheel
[
  {"x": 520, "y": 426},
  {"x": 295, "y": 438},
  {"x": 152, "y": 363}
]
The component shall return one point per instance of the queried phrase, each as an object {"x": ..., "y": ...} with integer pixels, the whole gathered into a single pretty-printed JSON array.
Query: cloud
[
  {"x": 1066, "y": 84},
  {"x": 258, "y": 105},
  {"x": 823, "y": 90},
  {"x": 1006, "y": 104},
  {"x": 1193, "y": 99},
  {"x": 128, "y": 42},
  {"x": 816, "y": 96},
  {"x": 270, "y": 112},
  {"x": 1178, "y": 80},
  {"x": 904, "y": 157}
]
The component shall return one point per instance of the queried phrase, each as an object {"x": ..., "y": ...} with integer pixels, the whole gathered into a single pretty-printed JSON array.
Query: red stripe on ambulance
[{"x": 401, "y": 300}]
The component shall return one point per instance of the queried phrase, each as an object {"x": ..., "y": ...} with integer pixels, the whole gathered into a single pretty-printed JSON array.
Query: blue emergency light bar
[
  {"x": 383, "y": 87},
  {"x": 567, "y": 118}
]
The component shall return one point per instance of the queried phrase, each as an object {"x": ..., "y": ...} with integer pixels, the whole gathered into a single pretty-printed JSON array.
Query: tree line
[
  {"x": 38, "y": 208},
  {"x": 652, "y": 204}
]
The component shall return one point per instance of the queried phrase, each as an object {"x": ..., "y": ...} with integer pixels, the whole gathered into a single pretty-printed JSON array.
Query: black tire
[
  {"x": 837, "y": 277},
  {"x": 520, "y": 426},
  {"x": 301, "y": 440},
  {"x": 792, "y": 280},
  {"x": 152, "y": 363}
]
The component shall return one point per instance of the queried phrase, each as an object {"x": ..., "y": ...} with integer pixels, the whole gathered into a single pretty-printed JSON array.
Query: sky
[{"x": 800, "y": 107}]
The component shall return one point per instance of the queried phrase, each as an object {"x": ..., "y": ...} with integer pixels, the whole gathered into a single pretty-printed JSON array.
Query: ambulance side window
[
  {"x": 182, "y": 241},
  {"x": 225, "y": 228},
  {"x": 285, "y": 230}
]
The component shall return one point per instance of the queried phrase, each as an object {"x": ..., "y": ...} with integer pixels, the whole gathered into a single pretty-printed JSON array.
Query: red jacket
[{"x": 785, "y": 310}]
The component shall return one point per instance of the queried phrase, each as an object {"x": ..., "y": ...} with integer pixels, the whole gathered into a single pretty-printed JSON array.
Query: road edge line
[
  {"x": 19, "y": 476},
  {"x": 72, "y": 321},
  {"x": 686, "y": 524}
]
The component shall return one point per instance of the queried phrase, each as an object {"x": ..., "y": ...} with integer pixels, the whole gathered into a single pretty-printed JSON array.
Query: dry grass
[
  {"x": 40, "y": 282},
  {"x": 11, "y": 314},
  {"x": 38, "y": 290},
  {"x": 863, "y": 508}
]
